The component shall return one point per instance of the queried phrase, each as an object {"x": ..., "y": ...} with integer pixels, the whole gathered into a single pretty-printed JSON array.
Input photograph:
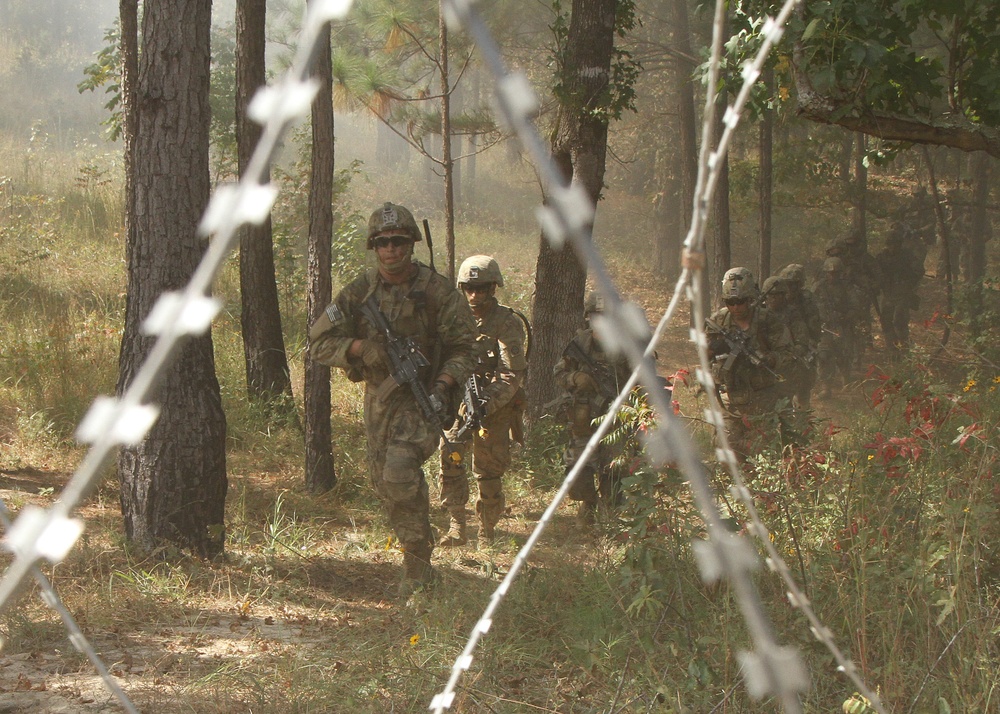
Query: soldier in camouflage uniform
[
  {"x": 839, "y": 305},
  {"x": 500, "y": 371},
  {"x": 806, "y": 326},
  {"x": 861, "y": 270},
  {"x": 421, "y": 305},
  {"x": 751, "y": 380},
  {"x": 901, "y": 271},
  {"x": 588, "y": 390}
]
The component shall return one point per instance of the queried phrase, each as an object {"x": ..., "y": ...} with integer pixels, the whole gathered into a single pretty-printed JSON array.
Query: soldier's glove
[
  {"x": 583, "y": 382},
  {"x": 717, "y": 346},
  {"x": 439, "y": 397},
  {"x": 373, "y": 354}
]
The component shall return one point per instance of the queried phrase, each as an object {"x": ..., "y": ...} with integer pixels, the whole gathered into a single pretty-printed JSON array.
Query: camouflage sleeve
[
  {"x": 566, "y": 367},
  {"x": 457, "y": 332},
  {"x": 814, "y": 321},
  {"x": 331, "y": 335},
  {"x": 777, "y": 345},
  {"x": 512, "y": 363}
]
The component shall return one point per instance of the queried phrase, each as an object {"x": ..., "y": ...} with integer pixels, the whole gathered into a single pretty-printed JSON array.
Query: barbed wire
[
  {"x": 772, "y": 669},
  {"x": 39, "y": 534}
]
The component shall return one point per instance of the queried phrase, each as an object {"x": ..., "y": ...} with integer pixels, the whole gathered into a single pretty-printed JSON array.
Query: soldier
[
  {"x": 751, "y": 351},
  {"x": 839, "y": 303},
  {"x": 492, "y": 408},
  {"x": 861, "y": 271},
  {"x": 806, "y": 325},
  {"x": 923, "y": 223},
  {"x": 901, "y": 271},
  {"x": 590, "y": 379},
  {"x": 425, "y": 309}
]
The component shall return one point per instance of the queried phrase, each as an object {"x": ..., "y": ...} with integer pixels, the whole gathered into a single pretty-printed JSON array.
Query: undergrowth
[{"x": 887, "y": 518}]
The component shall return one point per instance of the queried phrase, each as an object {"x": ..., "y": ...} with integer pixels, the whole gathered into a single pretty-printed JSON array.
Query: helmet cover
[
  {"x": 392, "y": 217},
  {"x": 794, "y": 273},
  {"x": 480, "y": 270},
  {"x": 738, "y": 284}
]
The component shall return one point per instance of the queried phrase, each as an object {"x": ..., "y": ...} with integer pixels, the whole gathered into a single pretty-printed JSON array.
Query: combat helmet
[
  {"x": 836, "y": 247},
  {"x": 391, "y": 217},
  {"x": 794, "y": 273},
  {"x": 738, "y": 284},
  {"x": 479, "y": 270},
  {"x": 833, "y": 265},
  {"x": 593, "y": 303},
  {"x": 775, "y": 285}
]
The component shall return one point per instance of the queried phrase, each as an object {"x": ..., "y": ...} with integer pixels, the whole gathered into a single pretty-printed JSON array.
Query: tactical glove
[
  {"x": 717, "y": 346},
  {"x": 373, "y": 354},
  {"x": 439, "y": 398},
  {"x": 583, "y": 382}
]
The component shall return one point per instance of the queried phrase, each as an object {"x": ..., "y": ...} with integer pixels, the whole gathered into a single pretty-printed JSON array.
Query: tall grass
[{"x": 888, "y": 519}]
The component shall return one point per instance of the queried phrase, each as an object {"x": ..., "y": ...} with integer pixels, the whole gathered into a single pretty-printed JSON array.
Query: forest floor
[{"x": 159, "y": 637}]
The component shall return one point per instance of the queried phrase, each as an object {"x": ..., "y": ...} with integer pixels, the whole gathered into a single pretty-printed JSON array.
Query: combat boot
[
  {"x": 489, "y": 512},
  {"x": 456, "y": 534},
  {"x": 417, "y": 571},
  {"x": 586, "y": 514}
]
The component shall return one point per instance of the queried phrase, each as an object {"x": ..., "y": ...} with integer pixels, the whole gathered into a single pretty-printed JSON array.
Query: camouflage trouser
[
  {"x": 490, "y": 459},
  {"x": 598, "y": 477},
  {"x": 756, "y": 421},
  {"x": 835, "y": 356},
  {"x": 801, "y": 380},
  {"x": 895, "y": 317},
  {"x": 400, "y": 440}
]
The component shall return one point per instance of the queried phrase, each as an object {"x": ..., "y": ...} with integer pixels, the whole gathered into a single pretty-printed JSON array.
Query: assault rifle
[
  {"x": 475, "y": 406},
  {"x": 739, "y": 344},
  {"x": 406, "y": 361},
  {"x": 604, "y": 379}
]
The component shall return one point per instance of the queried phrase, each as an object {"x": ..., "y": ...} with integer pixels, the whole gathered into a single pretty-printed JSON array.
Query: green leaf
[{"x": 811, "y": 29}]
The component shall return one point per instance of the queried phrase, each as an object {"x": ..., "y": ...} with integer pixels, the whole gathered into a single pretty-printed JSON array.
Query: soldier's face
[
  {"x": 739, "y": 308},
  {"x": 478, "y": 294},
  {"x": 394, "y": 251}
]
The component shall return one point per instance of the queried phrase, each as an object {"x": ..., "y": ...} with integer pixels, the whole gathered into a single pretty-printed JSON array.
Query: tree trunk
[
  {"x": 128, "y": 11},
  {"x": 268, "y": 378},
  {"x": 859, "y": 220},
  {"x": 688, "y": 125},
  {"x": 320, "y": 474},
  {"x": 579, "y": 148},
  {"x": 173, "y": 483},
  {"x": 721, "y": 222},
  {"x": 446, "y": 162},
  {"x": 667, "y": 210},
  {"x": 766, "y": 181}
]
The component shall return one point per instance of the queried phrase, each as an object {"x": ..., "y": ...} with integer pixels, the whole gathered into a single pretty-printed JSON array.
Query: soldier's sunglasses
[
  {"x": 730, "y": 302},
  {"x": 394, "y": 241},
  {"x": 476, "y": 288}
]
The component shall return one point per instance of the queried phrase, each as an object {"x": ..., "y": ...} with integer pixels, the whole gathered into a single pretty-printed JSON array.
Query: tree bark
[
  {"x": 173, "y": 483},
  {"x": 320, "y": 474},
  {"x": 579, "y": 148},
  {"x": 268, "y": 379},
  {"x": 447, "y": 164},
  {"x": 859, "y": 198},
  {"x": 721, "y": 223},
  {"x": 128, "y": 12},
  {"x": 688, "y": 126},
  {"x": 766, "y": 181}
]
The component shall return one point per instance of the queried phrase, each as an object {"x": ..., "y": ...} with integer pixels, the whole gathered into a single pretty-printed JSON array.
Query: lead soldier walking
[
  {"x": 428, "y": 334},
  {"x": 752, "y": 354}
]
